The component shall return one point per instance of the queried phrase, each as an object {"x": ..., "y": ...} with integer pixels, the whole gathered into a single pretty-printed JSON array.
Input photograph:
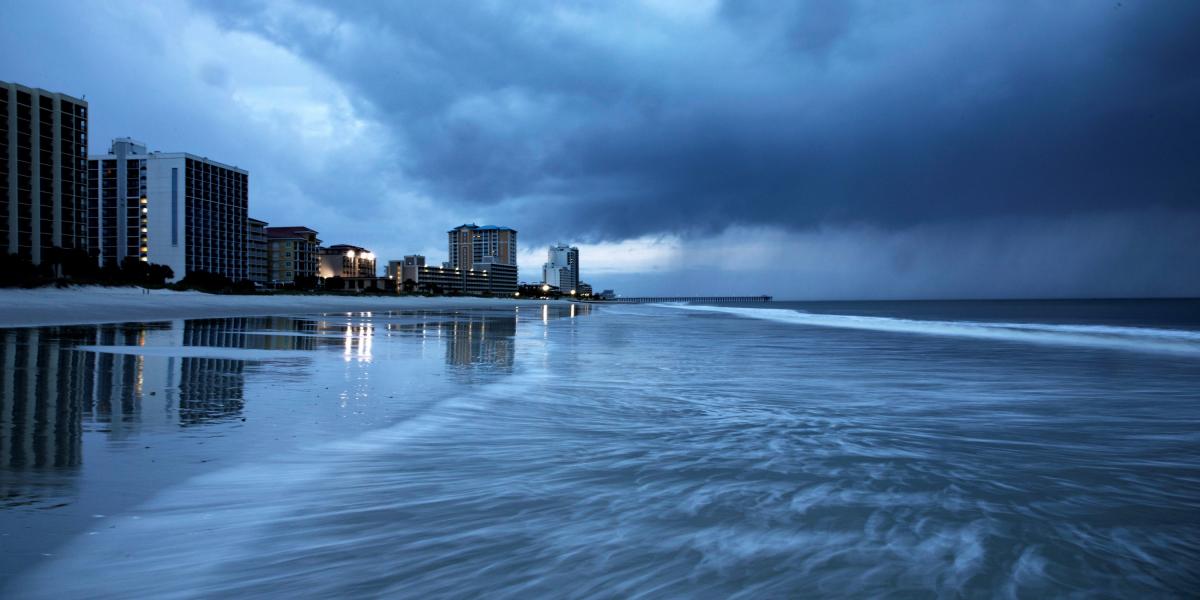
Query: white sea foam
[{"x": 1139, "y": 339}]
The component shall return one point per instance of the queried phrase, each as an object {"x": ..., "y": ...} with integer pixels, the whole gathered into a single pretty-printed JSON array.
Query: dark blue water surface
[{"x": 999, "y": 449}]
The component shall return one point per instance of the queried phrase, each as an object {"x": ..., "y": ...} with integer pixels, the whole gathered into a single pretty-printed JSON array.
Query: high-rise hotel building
[
  {"x": 43, "y": 170},
  {"x": 486, "y": 250},
  {"x": 562, "y": 268},
  {"x": 473, "y": 244},
  {"x": 175, "y": 209}
]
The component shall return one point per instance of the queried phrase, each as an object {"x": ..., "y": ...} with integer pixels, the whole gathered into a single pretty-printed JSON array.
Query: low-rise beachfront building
[
  {"x": 291, "y": 254},
  {"x": 176, "y": 209},
  {"x": 502, "y": 277},
  {"x": 408, "y": 272},
  {"x": 345, "y": 260},
  {"x": 256, "y": 251},
  {"x": 473, "y": 281},
  {"x": 482, "y": 278},
  {"x": 358, "y": 284},
  {"x": 43, "y": 171}
]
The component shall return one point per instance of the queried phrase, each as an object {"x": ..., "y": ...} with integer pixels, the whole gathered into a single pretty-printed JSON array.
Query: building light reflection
[{"x": 357, "y": 342}]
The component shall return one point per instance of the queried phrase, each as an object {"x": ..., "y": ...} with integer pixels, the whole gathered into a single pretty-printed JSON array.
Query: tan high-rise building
[
  {"x": 43, "y": 171},
  {"x": 472, "y": 244}
]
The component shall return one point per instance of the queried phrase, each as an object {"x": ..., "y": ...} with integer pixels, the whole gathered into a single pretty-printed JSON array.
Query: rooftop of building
[
  {"x": 43, "y": 92},
  {"x": 126, "y": 140},
  {"x": 475, "y": 227},
  {"x": 343, "y": 248},
  {"x": 290, "y": 232},
  {"x": 157, "y": 154}
]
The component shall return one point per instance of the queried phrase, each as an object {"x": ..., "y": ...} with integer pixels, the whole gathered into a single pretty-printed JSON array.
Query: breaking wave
[{"x": 1138, "y": 339}]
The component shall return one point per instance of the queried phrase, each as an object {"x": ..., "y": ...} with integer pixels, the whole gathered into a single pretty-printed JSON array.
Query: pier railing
[{"x": 695, "y": 299}]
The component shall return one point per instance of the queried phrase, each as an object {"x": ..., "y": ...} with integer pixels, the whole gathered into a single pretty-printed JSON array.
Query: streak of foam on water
[
  {"x": 1139, "y": 339},
  {"x": 180, "y": 544}
]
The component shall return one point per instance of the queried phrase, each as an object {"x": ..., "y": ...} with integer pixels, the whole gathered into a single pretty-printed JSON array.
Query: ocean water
[{"x": 907, "y": 449}]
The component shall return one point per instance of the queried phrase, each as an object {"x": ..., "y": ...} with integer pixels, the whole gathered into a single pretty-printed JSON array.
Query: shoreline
[{"x": 42, "y": 307}]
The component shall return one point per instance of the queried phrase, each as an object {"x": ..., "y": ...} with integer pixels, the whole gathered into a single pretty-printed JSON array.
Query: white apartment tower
[
  {"x": 175, "y": 209},
  {"x": 562, "y": 268}
]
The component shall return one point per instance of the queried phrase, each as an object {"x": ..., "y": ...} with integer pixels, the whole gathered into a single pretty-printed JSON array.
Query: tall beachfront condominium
[
  {"x": 175, "y": 209},
  {"x": 291, "y": 253},
  {"x": 256, "y": 250},
  {"x": 43, "y": 171},
  {"x": 562, "y": 268},
  {"x": 473, "y": 244}
]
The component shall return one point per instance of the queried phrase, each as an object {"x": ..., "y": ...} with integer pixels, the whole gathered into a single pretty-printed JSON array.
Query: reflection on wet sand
[
  {"x": 483, "y": 340},
  {"x": 40, "y": 408},
  {"x": 51, "y": 392}
]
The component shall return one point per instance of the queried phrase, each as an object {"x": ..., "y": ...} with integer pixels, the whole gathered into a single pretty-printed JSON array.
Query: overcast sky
[{"x": 808, "y": 150}]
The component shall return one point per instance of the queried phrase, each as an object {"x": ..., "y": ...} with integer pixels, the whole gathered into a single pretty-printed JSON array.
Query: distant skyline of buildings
[
  {"x": 192, "y": 213},
  {"x": 481, "y": 259}
]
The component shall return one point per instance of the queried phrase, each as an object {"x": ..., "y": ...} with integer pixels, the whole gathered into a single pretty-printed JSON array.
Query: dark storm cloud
[{"x": 621, "y": 122}]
